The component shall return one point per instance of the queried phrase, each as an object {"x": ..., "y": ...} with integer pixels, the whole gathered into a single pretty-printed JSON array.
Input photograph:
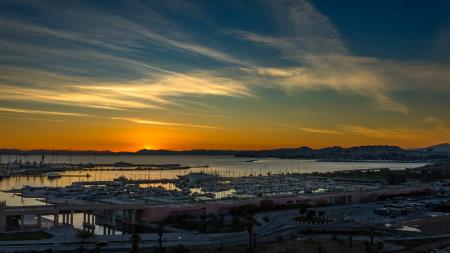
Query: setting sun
[{"x": 149, "y": 147}]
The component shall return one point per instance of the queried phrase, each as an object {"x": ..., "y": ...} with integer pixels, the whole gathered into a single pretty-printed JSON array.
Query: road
[{"x": 279, "y": 223}]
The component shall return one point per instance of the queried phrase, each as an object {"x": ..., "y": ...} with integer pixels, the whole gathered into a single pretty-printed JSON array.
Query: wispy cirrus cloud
[
  {"x": 89, "y": 63},
  {"x": 42, "y": 112},
  {"x": 395, "y": 134},
  {"x": 319, "y": 131},
  {"x": 163, "y": 123},
  {"x": 70, "y": 96},
  {"x": 308, "y": 129},
  {"x": 321, "y": 60},
  {"x": 154, "y": 92},
  {"x": 438, "y": 125}
]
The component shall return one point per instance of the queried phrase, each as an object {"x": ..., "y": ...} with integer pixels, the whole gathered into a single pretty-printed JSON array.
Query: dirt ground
[{"x": 432, "y": 226}]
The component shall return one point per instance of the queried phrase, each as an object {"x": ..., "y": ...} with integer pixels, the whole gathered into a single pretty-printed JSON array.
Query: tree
[
  {"x": 249, "y": 226},
  {"x": 135, "y": 238},
  {"x": 221, "y": 221},
  {"x": 83, "y": 235},
  {"x": 279, "y": 238},
  {"x": 310, "y": 214},
  {"x": 179, "y": 249},
  {"x": 303, "y": 209},
  {"x": 160, "y": 234},
  {"x": 236, "y": 222},
  {"x": 381, "y": 246},
  {"x": 371, "y": 234}
]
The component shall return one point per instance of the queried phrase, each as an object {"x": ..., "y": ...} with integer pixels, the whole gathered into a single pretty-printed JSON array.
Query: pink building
[{"x": 161, "y": 212}]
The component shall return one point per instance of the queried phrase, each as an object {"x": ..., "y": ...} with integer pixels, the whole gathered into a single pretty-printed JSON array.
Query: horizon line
[{"x": 207, "y": 149}]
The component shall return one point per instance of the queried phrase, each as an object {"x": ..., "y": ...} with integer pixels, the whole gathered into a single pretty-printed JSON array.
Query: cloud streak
[
  {"x": 395, "y": 134},
  {"x": 53, "y": 113},
  {"x": 310, "y": 130},
  {"x": 164, "y": 123}
]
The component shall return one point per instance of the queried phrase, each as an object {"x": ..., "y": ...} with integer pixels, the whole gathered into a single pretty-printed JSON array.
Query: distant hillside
[
  {"x": 440, "y": 148},
  {"x": 108, "y": 152},
  {"x": 340, "y": 153},
  {"x": 186, "y": 152},
  {"x": 336, "y": 153},
  {"x": 60, "y": 152}
]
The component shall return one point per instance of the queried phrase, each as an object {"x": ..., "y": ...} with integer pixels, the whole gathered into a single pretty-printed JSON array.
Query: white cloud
[
  {"x": 163, "y": 123},
  {"x": 54, "y": 113},
  {"x": 309, "y": 129},
  {"x": 155, "y": 92}
]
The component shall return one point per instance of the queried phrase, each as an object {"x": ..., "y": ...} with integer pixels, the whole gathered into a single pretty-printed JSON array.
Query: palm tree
[
  {"x": 136, "y": 238},
  {"x": 83, "y": 235},
  {"x": 303, "y": 209},
  {"x": 249, "y": 226},
  {"x": 372, "y": 234},
  {"x": 160, "y": 234}
]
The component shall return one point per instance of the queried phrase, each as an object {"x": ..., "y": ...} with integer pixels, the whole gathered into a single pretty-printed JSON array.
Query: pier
[{"x": 130, "y": 181}]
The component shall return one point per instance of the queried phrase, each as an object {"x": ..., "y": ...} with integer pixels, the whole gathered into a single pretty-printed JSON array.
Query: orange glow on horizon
[{"x": 130, "y": 137}]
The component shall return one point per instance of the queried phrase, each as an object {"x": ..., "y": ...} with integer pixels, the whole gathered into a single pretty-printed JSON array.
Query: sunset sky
[{"x": 127, "y": 75}]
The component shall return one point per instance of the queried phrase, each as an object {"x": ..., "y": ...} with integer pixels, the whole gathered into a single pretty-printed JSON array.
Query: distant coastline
[{"x": 328, "y": 154}]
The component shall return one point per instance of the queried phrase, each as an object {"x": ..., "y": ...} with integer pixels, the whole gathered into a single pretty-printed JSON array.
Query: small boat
[
  {"x": 121, "y": 178},
  {"x": 53, "y": 175}
]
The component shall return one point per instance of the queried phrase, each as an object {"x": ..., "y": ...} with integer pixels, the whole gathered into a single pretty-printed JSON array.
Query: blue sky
[
  {"x": 308, "y": 73},
  {"x": 405, "y": 30}
]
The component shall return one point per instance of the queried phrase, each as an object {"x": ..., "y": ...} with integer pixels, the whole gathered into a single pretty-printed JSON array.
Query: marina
[
  {"x": 226, "y": 166},
  {"x": 210, "y": 182}
]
